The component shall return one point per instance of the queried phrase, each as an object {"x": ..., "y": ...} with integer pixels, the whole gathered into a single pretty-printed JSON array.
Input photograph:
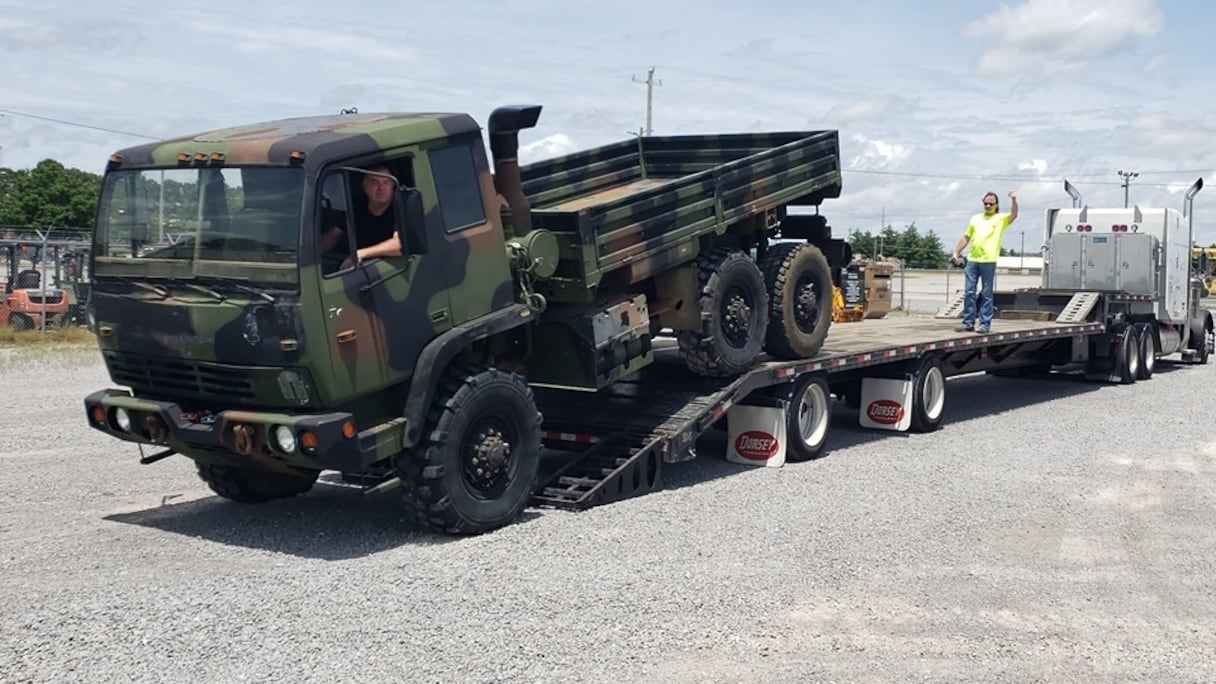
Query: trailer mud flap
[
  {"x": 757, "y": 434},
  {"x": 886, "y": 404}
]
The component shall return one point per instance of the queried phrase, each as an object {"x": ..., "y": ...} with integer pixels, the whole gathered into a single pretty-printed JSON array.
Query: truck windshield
[{"x": 241, "y": 223}]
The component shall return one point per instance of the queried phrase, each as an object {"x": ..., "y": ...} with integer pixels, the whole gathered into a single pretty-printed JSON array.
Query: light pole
[{"x": 1022, "y": 252}]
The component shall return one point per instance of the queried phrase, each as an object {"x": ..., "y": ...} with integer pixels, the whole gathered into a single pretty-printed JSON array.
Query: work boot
[{"x": 964, "y": 328}]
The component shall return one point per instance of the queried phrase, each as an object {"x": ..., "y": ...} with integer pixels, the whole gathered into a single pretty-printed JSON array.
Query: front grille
[
  {"x": 50, "y": 298},
  {"x": 160, "y": 378}
]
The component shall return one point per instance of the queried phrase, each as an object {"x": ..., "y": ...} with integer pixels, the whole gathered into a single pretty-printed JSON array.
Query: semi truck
[{"x": 246, "y": 339}]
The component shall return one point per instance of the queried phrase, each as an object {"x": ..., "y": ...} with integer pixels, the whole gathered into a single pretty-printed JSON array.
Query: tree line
[
  {"x": 909, "y": 246},
  {"x": 47, "y": 196}
]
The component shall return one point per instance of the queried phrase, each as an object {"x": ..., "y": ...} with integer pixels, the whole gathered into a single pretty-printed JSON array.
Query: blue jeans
[{"x": 977, "y": 271}]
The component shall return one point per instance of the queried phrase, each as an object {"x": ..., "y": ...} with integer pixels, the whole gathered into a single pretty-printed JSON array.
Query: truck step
[
  {"x": 617, "y": 467},
  {"x": 1077, "y": 309}
]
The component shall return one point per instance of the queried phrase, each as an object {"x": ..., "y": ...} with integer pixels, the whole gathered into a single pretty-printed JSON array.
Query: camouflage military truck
[{"x": 252, "y": 345}]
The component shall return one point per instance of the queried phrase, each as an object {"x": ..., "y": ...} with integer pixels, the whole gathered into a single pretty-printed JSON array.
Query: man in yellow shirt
[{"x": 984, "y": 234}]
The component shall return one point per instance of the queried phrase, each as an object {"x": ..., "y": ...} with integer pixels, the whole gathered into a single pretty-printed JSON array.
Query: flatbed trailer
[{"x": 624, "y": 435}]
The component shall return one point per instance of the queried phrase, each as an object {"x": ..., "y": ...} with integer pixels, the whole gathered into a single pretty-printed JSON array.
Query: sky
[{"x": 936, "y": 102}]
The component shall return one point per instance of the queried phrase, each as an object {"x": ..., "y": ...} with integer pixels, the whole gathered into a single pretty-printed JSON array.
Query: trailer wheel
[
  {"x": 1127, "y": 363},
  {"x": 799, "y": 284},
  {"x": 249, "y": 485},
  {"x": 733, "y": 308},
  {"x": 1148, "y": 350},
  {"x": 928, "y": 395},
  {"x": 808, "y": 418},
  {"x": 476, "y": 468}
]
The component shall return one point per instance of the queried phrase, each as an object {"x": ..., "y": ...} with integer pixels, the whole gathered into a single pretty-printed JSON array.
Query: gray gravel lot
[{"x": 1052, "y": 530}]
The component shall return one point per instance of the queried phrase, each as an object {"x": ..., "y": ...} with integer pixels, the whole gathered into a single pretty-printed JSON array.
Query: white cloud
[
  {"x": 1060, "y": 36},
  {"x": 550, "y": 146},
  {"x": 876, "y": 154},
  {"x": 1039, "y": 166},
  {"x": 861, "y": 110}
]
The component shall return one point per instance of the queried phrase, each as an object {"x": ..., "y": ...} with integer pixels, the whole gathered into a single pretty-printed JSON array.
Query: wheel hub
[
  {"x": 491, "y": 455},
  {"x": 737, "y": 318},
  {"x": 806, "y": 305}
]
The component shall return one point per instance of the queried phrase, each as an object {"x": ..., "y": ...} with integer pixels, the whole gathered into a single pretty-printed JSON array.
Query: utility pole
[
  {"x": 650, "y": 84},
  {"x": 1127, "y": 177}
]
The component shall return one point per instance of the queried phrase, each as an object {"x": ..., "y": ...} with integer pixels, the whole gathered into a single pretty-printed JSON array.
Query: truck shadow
[
  {"x": 969, "y": 397},
  {"x": 330, "y": 522}
]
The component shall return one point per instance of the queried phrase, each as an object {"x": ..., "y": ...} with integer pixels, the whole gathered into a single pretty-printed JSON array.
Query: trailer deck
[{"x": 656, "y": 416}]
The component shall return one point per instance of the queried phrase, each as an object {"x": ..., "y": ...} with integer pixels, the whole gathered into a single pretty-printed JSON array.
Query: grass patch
[{"x": 52, "y": 337}]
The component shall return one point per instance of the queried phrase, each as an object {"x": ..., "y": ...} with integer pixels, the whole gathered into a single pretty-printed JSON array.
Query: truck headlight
[
  {"x": 285, "y": 439},
  {"x": 122, "y": 419}
]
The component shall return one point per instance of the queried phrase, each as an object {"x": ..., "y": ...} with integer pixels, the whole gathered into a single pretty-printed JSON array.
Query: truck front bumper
[{"x": 325, "y": 441}]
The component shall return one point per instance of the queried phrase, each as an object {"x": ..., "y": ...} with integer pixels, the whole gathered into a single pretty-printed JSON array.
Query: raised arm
[{"x": 1013, "y": 205}]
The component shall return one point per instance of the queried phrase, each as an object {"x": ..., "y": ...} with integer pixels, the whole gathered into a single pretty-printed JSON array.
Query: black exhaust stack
[{"x": 505, "y": 125}]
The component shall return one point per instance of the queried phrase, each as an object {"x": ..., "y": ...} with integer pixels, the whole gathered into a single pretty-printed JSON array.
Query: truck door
[{"x": 380, "y": 311}]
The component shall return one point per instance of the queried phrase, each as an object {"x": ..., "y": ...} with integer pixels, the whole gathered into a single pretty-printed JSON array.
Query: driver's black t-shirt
[{"x": 371, "y": 229}]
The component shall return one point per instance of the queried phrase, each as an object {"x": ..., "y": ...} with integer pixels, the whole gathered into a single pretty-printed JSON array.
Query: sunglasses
[{"x": 989, "y": 204}]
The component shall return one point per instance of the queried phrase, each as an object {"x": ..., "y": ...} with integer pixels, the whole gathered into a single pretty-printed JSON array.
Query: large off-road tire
[
  {"x": 799, "y": 285},
  {"x": 249, "y": 485},
  {"x": 475, "y": 469},
  {"x": 733, "y": 307},
  {"x": 808, "y": 418}
]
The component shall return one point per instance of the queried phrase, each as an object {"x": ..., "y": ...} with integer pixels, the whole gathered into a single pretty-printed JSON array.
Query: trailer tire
[
  {"x": 928, "y": 395},
  {"x": 1127, "y": 362},
  {"x": 250, "y": 485},
  {"x": 808, "y": 418},
  {"x": 733, "y": 307},
  {"x": 1147, "y": 342},
  {"x": 477, "y": 465},
  {"x": 798, "y": 280}
]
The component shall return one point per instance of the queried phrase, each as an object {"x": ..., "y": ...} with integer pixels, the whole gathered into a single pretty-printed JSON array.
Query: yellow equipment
[{"x": 1203, "y": 265}]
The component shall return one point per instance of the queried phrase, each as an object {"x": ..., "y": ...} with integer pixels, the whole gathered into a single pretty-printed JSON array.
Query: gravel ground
[{"x": 1052, "y": 530}]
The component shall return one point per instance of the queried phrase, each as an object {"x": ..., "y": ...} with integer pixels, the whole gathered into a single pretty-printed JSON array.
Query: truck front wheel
[
  {"x": 248, "y": 485},
  {"x": 734, "y": 315},
  {"x": 799, "y": 284},
  {"x": 476, "y": 467}
]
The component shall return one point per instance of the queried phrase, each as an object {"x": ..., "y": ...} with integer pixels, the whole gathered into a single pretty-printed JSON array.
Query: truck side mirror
[{"x": 411, "y": 221}]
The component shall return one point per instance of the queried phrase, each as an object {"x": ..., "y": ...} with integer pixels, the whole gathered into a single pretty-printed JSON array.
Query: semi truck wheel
[
  {"x": 1127, "y": 360},
  {"x": 1148, "y": 350},
  {"x": 799, "y": 285},
  {"x": 734, "y": 317},
  {"x": 808, "y": 418},
  {"x": 476, "y": 468},
  {"x": 1201, "y": 337},
  {"x": 928, "y": 395},
  {"x": 249, "y": 485}
]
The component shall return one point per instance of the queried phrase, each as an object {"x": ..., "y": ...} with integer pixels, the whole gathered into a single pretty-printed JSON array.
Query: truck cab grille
[{"x": 180, "y": 378}]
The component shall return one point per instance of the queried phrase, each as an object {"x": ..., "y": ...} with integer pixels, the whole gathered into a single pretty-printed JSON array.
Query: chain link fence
[{"x": 44, "y": 273}]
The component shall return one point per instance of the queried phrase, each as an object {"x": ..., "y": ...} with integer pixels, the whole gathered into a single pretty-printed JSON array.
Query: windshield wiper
[
  {"x": 151, "y": 287},
  {"x": 219, "y": 296},
  {"x": 224, "y": 283}
]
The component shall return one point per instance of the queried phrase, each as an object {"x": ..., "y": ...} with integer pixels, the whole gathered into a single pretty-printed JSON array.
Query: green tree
[{"x": 49, "y": 196}]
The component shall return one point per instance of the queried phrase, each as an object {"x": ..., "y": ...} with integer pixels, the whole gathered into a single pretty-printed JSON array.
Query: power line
[
  {"x": 1011, "y": 179},
  {"x": 77, "y": 124}
]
